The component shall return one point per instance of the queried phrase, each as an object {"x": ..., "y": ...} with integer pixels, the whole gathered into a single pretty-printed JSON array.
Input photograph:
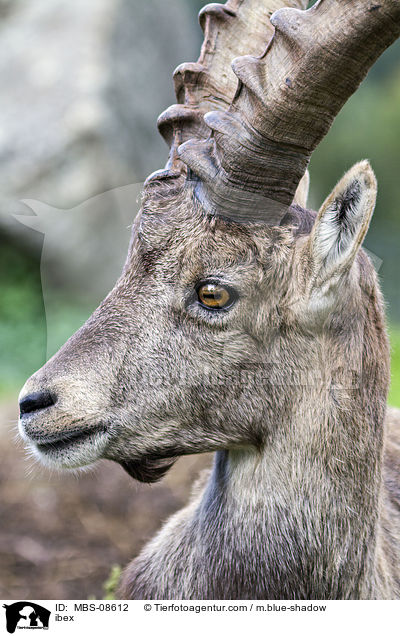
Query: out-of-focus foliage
[
  {"x": 394, "y": 395},
  {"x": 111, "y": 585},
  {"x": 22, "y": 325},
  {"x": 367, "y": 127}
]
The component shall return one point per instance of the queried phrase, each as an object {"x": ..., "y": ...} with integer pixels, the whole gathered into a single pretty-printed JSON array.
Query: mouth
[
  {"x": 71, "y": 450},
  {"x": 65, "y": 441}
]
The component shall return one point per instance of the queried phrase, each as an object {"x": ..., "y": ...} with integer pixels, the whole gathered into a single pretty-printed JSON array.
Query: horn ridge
[{"x": 232, "y": 29}]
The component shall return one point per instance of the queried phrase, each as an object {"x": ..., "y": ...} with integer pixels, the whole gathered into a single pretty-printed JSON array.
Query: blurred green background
[{"x": 368, "y": 127}]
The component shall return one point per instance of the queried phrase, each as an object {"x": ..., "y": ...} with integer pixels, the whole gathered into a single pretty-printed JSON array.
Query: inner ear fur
[{"x": 343, "y": 221}]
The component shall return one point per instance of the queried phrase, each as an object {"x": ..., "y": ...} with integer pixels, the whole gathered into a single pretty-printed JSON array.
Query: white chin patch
[{"x": 73, "y": 453}]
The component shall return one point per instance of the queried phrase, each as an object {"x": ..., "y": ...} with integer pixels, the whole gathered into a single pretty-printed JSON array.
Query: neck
[{"x": 301, "y": 516}]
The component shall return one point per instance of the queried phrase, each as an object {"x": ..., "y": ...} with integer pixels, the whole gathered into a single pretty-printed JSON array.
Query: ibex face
[
  {"x": 217, "y": 319},
  {"x": 208, "y": 338}
]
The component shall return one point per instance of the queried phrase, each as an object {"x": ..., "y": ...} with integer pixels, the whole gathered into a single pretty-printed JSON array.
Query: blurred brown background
[{"x": 82, "y": 85}]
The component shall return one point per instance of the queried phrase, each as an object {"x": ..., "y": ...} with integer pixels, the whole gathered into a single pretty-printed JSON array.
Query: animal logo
[{"x": 26, "y": 615}]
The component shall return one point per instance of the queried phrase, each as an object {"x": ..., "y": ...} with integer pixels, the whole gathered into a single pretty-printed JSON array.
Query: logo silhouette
[{"x": 26, "y": 615}]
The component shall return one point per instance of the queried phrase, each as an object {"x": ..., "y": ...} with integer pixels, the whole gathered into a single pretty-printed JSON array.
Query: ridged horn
[
  {"x": 235, "y": 28},
  {"x": 286, "y": 101}
]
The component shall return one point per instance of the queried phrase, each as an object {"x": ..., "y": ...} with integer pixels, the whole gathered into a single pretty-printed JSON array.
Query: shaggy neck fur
[
  {"x": 300, "y": 518},
  {"x": 290, "y": 523}
]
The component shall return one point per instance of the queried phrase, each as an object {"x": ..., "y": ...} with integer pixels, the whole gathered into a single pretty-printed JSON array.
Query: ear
[
  {"x": 301, "y": 196},
  {"x": 342, "y": 223}
]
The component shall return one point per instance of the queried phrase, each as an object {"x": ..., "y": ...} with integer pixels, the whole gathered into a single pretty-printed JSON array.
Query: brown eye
[{"x": 215, "y": 296}]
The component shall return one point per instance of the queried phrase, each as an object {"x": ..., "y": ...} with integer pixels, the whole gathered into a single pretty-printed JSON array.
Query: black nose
[{"x": 36, "y": 402}]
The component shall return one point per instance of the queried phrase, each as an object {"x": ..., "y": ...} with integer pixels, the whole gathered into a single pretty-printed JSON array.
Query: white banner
[{"x": 200, "y": 617}]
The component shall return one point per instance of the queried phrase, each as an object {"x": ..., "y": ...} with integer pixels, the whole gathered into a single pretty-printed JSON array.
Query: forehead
[{"x": 182, "y": 231}]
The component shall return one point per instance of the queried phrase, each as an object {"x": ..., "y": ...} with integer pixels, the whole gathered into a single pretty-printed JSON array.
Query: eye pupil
[{"x": 214, "y": 296}]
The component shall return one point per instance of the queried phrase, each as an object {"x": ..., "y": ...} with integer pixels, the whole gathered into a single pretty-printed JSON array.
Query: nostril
[{"x": 36, "y": 402}]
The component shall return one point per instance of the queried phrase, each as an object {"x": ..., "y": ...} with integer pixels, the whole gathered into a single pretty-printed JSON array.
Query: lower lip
[{"x": 64, "y": 443}]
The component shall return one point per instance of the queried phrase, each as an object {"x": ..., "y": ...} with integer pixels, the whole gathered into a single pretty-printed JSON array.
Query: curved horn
[
  {"x": 235, "y": 28},
  {"x": 285, "y": 104}
]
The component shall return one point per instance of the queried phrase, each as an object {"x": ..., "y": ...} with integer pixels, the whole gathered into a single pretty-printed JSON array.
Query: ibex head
[{"x": 231, "y": 294}]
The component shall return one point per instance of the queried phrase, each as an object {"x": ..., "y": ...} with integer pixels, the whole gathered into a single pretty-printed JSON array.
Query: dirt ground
[{"x": 61, "y": 534}]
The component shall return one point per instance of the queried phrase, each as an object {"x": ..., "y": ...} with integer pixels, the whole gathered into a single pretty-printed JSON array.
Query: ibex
[{"x": 245, "y": 324}]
